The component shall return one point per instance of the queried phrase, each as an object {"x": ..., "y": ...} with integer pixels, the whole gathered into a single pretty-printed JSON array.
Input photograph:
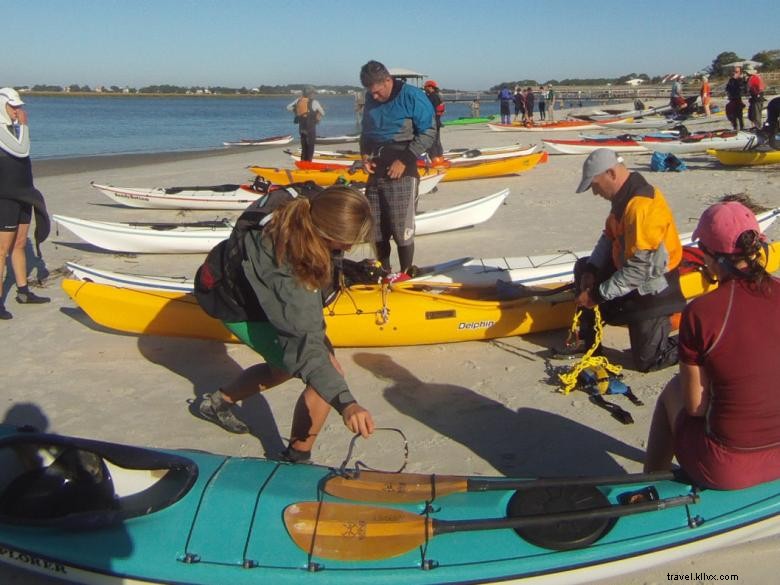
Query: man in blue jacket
[{"x": 398, "y": 127}]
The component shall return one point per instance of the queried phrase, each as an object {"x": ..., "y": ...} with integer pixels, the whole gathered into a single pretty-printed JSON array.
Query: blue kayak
[{"x": 96, "y": 512}]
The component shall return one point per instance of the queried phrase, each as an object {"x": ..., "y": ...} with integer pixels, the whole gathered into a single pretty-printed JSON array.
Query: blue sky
[{"x": 462, "y": 44}]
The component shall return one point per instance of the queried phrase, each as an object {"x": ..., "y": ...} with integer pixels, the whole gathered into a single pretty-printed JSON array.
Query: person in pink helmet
[{"x": 720, "y": 416}]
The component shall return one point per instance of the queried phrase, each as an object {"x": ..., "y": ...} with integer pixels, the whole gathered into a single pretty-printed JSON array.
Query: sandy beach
[{"x": 489, "y": 408}]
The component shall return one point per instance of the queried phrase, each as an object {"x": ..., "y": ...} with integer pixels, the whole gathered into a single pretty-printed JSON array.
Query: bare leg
[
  {"x": 18, "y": 255},
  {"x": 311, "y": 412},
  {"x": 660, "y": 442},
  {"x": 6, "y": 243},
  {"x": 254, "y": 379}
]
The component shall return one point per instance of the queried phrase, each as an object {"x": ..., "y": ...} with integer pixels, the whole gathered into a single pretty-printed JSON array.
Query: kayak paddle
[
  {"x": 351, "y": 532},
  {"x": 398, "y": 488}
]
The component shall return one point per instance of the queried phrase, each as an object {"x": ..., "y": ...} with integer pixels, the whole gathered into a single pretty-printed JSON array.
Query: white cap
[
  {"x": 11, "y": 97},
  {"x": 599, "y": 161}
]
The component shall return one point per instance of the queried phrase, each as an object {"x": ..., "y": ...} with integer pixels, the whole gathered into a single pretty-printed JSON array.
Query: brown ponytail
[
  {"x": 303, "y": 231},
  {"x": 749, "y": 263}
]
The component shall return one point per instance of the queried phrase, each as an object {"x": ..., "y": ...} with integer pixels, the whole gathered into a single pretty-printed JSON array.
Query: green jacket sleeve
[{"x": 296, "y": 314}]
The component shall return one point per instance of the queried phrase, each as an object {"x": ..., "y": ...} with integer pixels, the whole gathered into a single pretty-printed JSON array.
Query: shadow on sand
[{"x": 527, "y": 442}]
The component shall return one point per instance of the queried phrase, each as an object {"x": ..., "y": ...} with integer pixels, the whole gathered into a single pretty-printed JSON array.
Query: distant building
[{"x": 635, "y": 82}]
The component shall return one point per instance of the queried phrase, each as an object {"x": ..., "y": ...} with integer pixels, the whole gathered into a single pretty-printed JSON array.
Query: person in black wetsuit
[{"x": 18, "y": 198}]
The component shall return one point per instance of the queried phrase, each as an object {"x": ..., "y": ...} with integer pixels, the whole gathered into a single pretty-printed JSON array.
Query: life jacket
[
  {"x": 221, "y": 288},
  {"x": 302, "y": 106},
  {"x": 505, "y": 95}
]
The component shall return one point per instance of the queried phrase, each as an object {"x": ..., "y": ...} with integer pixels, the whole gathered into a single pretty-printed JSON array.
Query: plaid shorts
[{"x": 392, "y": 204}]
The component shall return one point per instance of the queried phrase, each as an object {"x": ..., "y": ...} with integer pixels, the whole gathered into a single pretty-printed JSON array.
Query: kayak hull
[
  {"x": 223, "y": 197},
  {"x": 739, "y": 158},
  {"x": 406, "y": 313},
  {"x": 270, "y": 141},
  {"x": 183, "y": 239},
  {"x": 587, "y": 146},
  {"x": 461, "y": 172},
  {"x": 185, "y": 541}
]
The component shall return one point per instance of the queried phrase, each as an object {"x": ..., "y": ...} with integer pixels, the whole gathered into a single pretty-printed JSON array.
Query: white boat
[
  {"x": 173, "y": 238},
  {"x": 221, "y": 197},
  {"x": 563, "y": 126},
  {"x": 216, "y": 197},
  {"x": 727, "y": 141},
  {"x": 643, "y": 124},
  {"x": 269, "y": 141},
  {"x": 343, "y": 139},
  {"x": 585, "y": 146},
  {"x": 542, "y": 269}
]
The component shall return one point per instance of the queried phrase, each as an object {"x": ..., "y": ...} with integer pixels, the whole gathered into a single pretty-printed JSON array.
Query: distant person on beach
[
  {"x": 360, "y": 103},
  {"x": 398, "y": 128},
  {"x": 431, "y": 89},
  {"x": 705, "y": 94},
  {"x": 308, "y": 113},
  {"x": 529, "y": 105},
  {"x": 542, "y": 103},
  {"x": 275, "y": 301},
  {"x": 720, "y": 416},
  {"x": 551, "y": 102},
  {"x": 768, "y": 133},
  {"x": 755, "y": 91},
  {"x": 519, "y": 100},
  {"x": 631, "y": 273},
  {"x": 475, "y": 107},
  {"x": 505, "y": 100},
  {"x": 19, "y": 199},
  {"x": 676, "y": 99},
  {"x": 735, "y": 89}
]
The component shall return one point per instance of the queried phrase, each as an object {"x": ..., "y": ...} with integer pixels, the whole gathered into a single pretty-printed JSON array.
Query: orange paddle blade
[
  {"x": 377, "y": 486},
  {"x": 351, "y": 533}
]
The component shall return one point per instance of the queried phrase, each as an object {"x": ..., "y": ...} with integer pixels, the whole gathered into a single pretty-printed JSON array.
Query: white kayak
[
  {"x": 216, "y": 197},
  {"x": 585, "y": 146},
  {"x": 222, "y": 197},
  {"x": 270, "y": 141},
  {"x": 542, "y": 269},
  {"x": 691, "y": 144},
  {"x": 343, "y": 139},
  {"x": 179, "y": 238}
]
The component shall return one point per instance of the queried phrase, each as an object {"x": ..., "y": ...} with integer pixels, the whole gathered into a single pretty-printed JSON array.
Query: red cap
[
  {"x": 430, "y": 83},
  {"x": 721, "y": 225}
]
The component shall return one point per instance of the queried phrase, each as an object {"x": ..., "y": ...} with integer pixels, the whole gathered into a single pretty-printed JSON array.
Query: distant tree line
[
  {"x": 182, "y": 90},
  {"x": 769, "y": 60}
]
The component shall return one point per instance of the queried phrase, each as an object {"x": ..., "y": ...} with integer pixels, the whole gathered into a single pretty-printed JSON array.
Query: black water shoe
[
  {"x": 214, "y": 409},
  {"x": 4, "y": 314},
  {"x": 27, "y": 297}
]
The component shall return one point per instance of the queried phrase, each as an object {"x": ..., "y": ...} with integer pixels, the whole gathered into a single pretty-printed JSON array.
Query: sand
[{"x": 473, "y": 408}]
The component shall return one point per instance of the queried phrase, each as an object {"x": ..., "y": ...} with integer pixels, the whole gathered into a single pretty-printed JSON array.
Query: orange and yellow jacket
[{"x": 640, "y": 240}]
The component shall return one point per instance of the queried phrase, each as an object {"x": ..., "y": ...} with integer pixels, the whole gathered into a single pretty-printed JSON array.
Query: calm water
[{"x": 63, "y": 127}]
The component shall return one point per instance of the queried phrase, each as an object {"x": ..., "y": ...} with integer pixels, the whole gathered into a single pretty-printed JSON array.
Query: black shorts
[{"x": 13, "y": 214}]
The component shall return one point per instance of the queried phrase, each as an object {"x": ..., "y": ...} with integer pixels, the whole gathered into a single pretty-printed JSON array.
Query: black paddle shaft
[
  {"x": 448, "y": 526},
  {"x": 490, "y": 484}
]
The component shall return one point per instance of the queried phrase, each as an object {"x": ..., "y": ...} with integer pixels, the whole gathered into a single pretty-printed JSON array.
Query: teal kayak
[
  {"x": 97, "y": 512},
  {"x": 468, "y": 120}
]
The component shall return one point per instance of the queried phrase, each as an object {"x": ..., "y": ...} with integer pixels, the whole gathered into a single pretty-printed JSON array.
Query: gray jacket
[{"x": 296, "y": 314}]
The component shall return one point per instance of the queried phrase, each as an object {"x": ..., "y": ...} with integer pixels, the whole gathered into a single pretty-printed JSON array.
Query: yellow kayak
[
  {"x": 746, "y": 157},
  {"x": 477, "y": 170},
  {"x": 412, "y": 313}
]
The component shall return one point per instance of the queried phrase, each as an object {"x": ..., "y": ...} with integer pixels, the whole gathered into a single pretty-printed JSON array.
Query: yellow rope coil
[{"x": 588, "y": 360}]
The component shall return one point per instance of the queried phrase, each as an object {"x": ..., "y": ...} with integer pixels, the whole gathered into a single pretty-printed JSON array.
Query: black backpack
[{"x": 221, "y": 287}]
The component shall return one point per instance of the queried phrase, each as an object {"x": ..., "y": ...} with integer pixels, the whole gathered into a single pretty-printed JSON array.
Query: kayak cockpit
[{"x": 48, "y": 480}]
